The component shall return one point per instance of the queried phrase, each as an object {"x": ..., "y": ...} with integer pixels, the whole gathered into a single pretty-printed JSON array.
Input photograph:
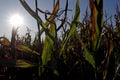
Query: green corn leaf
[
  {"x": 87, "y": 54},
  {"x": 48, "y": 46},
  {"x": 72, "y": 30},
  {"x": 77, "y": 12},
  {"x": 26, "y": 49},
  {"x": 89, "y": 57},
  {"x": 55, "y": 72},
  {"x": 24, "y": 64}
]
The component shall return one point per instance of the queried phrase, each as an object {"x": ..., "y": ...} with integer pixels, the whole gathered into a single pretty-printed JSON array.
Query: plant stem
[{"x": 39, "y": 42}]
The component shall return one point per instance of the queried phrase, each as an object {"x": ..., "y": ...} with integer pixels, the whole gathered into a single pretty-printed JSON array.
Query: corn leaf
[
  {"x": 43, "y": 25},
  {"x": 94, "y": 24},
  {"x": 26, "y": 49},
  {"x": 55, "y": 72},
  {"x": 110, "y": 50},
  {"x": 34, "y": 15},
  {"x": 4, "y": 41},
  {"x": 72, "y": 30},
  {"x": 24, "y": 64},
  {"x": 48, "y": 46},
  {"x": 96, "y": 21},
  {"x": 77, "y": 12},
  {"x": 89, "y": 57},
  {"x": 55, "y": 11},
  {"x": 52, "y": 16}
]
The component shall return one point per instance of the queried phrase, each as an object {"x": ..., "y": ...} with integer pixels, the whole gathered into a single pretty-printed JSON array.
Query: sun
[{"x": 16, "y": 20}]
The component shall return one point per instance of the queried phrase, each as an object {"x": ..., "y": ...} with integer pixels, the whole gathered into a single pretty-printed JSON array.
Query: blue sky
[{"x": 11, "y": 7}]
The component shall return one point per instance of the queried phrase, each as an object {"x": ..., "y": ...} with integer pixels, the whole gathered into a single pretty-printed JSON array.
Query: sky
[{"x": 11, "y": 7}]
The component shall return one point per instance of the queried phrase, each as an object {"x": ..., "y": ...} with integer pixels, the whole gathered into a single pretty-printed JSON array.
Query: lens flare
[{"x": 16, "y": 20}]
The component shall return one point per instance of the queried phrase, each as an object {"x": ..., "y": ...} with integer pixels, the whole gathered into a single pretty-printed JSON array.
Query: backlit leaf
[
  {"x": 48, "y": 46},
  {"x": 26, "y": 49},
  {"x": 72, "y": 30},
  {"x": 4, "y": 41},
  {"x": 89, "y": 57},
  {"x": 24, "y": 64}
]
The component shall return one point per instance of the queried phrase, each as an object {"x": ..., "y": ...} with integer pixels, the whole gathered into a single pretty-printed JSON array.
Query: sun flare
[{"x": 16, "y": 20}]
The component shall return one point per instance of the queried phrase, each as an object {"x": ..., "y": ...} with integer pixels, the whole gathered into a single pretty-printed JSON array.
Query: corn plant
[
  {"x": 90, "y": 46},
  {"x": 85, "y": 50}
]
